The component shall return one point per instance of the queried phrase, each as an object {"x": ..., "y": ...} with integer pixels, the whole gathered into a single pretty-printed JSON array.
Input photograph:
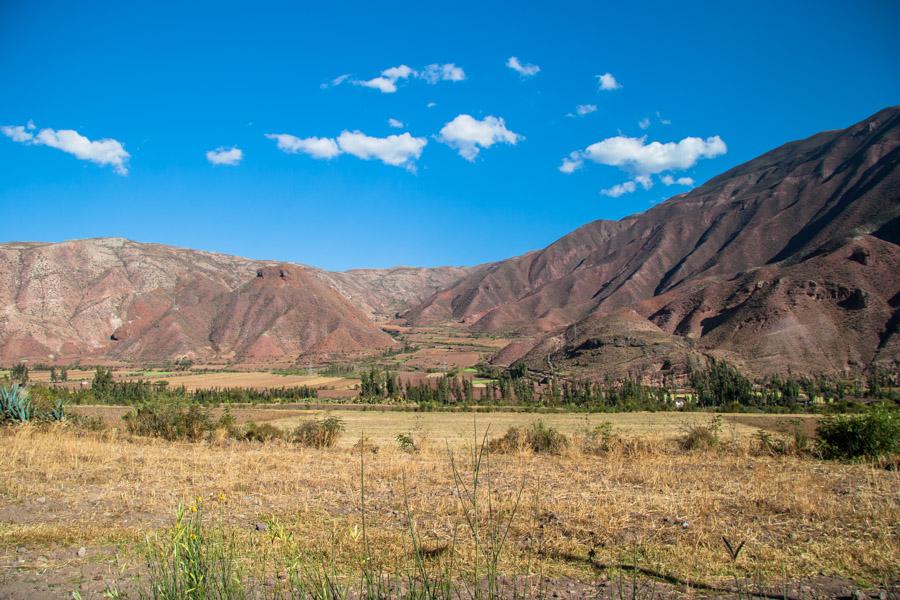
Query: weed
[
  {"x": 323, "y": 433},
  {"x": 766, "y": 443},
  {"x": 599, "y": 440},
  {"x": 537, "y": 437},
  {"x": 406, "y": 442},
  {"x": 192, "y": 563},
  {"x": 701, "y": 437},
  {"x": 261, "y": 433}
]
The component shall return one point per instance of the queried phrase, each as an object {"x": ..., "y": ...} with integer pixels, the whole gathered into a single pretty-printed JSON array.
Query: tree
[{"x": 19, "y": 374}]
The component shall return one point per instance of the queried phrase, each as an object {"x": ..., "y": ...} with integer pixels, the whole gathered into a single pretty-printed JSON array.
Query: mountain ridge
[
  {"x": 788, "y": 260},
  {"x": 785, "y": 207}
]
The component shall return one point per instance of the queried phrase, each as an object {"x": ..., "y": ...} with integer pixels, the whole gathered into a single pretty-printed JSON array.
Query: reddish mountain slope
[
  {"x": 382, "y": 293},
  {"x": 788, "y": 218},
  {"x": 121, "y": 300}
]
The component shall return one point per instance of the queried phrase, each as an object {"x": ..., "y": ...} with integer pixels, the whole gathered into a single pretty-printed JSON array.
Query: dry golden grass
[
  {"x": 456, "y": 428},
  {"x": 799, "y": 516},
  {"x": 254, "y": 379}
]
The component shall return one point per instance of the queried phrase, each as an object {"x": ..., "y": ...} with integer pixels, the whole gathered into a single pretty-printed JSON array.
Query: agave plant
[
  {"x": 15, "y": 405},
  {"x": 59, "y": 411}
]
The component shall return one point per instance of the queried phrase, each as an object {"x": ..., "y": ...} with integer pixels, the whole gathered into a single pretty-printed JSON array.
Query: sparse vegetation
[
  {"x": 537, "y": 437},
  {"x": 599, "y": 440},
  {"x": 810, "y": 507},
  {"x": 192, "y": 562},
  {"x": 701, "y": 436},
  {"x": 323, "y": 433},
  {"x": 171, "y": 422}
]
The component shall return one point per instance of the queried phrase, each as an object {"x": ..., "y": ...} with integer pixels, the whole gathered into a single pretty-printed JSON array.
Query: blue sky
[{"x": 473, "y": 174}]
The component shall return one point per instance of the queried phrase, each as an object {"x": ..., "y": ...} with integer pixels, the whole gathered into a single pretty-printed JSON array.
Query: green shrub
[
  {"x": 406, "y": 442},
  {"x": 319, "y": 434},
  {"x": 869, "y": 435},
  {"x": 537, "y": 437},
  {"x": 801, "y": 436},
  {"x": 170, "y": 421},
  {"x": 701, "y": 437},
  {"x": 261, "y": 433},
  {"x": 89, "y": 423},
  {"x": 599, "y": 440},
  {"x": 766, "y": 443}
]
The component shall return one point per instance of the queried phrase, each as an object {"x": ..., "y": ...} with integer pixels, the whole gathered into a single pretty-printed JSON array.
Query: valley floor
[{"x": 582, "y": 519}]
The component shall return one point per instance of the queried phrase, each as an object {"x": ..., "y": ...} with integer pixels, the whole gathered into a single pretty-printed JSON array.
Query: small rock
[
  {"x": 685, "y": 524},
  {"x": 261, "y": 526},
  {"x": 21, "y": 549},
  {"x": 41, "y": 500},
  {"x": 81, "y": 552}
]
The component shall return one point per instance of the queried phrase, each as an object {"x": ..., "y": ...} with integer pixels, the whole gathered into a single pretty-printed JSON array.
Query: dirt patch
[{"x": 783, "y": 424}]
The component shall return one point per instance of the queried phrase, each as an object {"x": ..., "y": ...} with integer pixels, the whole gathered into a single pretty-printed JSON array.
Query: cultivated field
[
  {"x": 582, "y": 520},
  {"x": 253, "y": 379}
]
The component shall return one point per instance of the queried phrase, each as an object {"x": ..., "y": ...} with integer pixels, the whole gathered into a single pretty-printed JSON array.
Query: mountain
[
  {"x": 383, "y": 293},
  {"x": 115, "y": 299},
  {"x": 790, "y": 260}
]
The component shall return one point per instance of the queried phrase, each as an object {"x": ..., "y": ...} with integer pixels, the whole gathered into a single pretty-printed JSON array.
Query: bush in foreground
[
  {"x": 323, "y": 433},
  {"x": 537, "y": 437},
  {"x": 870, "y": 435},
  {"x": 701, "y": 437}
]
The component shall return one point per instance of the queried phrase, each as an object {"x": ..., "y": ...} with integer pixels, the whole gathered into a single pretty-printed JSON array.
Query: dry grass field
[
  {"x": 581, "y": 517},
  {"x": 254, "y": 379}
]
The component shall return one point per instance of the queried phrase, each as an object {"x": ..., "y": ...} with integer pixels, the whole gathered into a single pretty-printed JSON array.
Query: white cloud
[
  {"x": 645, "y": 181},
  {"x": 397, "y": 150},
  {"x": 525, "y": 70},
  {"x": 383, "y": 84},
  {"x": 583, "y": 109},
  {"x": 619, "y": 189},
  {"x": 571, "y": 163},
  {"x": 644, "y": 123},
  {"x": 661, "y": 120},
  {"x": 106, "y": 151},
  {"x": 447, "y": 72},
  {"x": 401, "y": 72},
  {"x": 395, "y": 123},
  {"x": 669, "y": 180},
  {"x": 641, "y": 158},
  {"x": 322, "y": 148},
  {"x": 468, "y": 135},
  {"x": 336, "y": 81},
  {"x": 608, "y": 82},
  {"x": 431, "y": 105},
  {"x": 225, "y": 156},
  {"x": 386, "y": 82},
  {"x": 16, "y": 133}
]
